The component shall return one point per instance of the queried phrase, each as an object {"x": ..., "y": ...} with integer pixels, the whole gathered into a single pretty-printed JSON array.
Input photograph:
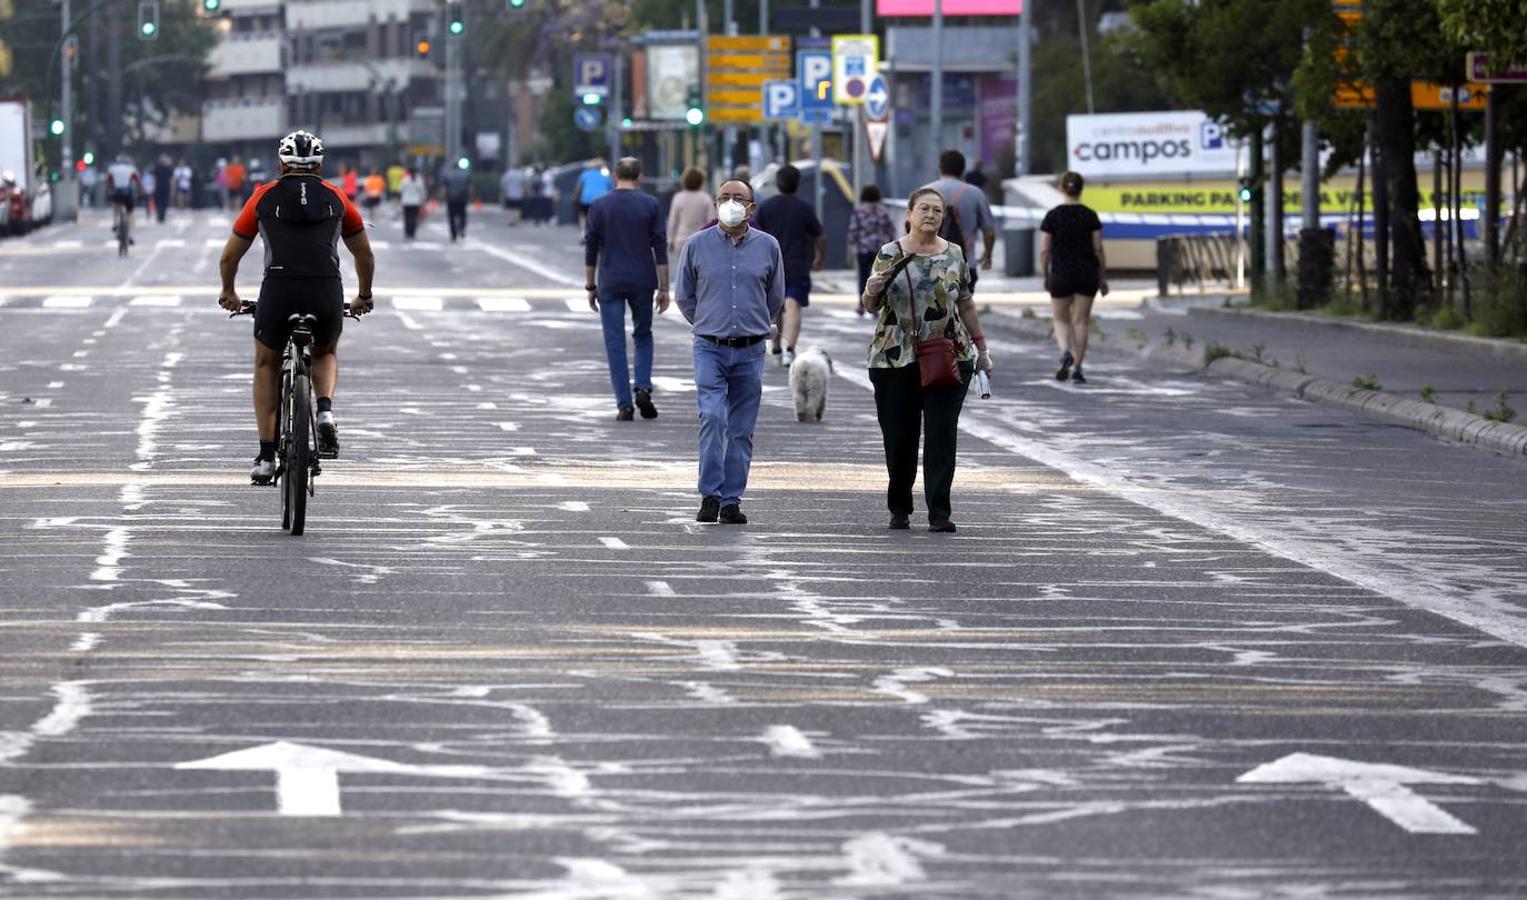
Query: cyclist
[
  {"x": 122, "y": 185},
  {"x": 301, "y": 218}
]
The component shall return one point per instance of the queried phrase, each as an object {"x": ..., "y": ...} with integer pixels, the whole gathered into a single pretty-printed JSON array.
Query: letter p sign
[
  {"x": 591, "y": 74},
  {"x": 1211, "y": 136}
]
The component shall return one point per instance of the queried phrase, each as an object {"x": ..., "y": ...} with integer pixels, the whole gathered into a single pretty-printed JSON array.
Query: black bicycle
[{"x": 297, "y": 449}]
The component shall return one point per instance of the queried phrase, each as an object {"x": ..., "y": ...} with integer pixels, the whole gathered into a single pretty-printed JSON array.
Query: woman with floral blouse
[
  {"x": 919, "y": 288},
  {"x": 869, "y": 228}
]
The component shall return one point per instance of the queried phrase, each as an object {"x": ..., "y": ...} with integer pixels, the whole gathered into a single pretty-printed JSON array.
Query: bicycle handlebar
[{"x": 247, "y": 308}]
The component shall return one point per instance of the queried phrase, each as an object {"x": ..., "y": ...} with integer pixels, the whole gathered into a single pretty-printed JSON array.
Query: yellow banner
[{"x": 1337, "y": 196}]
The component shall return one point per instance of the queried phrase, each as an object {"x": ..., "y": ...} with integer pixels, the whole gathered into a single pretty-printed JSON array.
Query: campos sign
[{"x": 1153, "y": 143}]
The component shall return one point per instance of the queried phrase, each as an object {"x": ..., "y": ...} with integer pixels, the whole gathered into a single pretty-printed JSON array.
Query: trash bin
[{"x": 1018, "y": 251}]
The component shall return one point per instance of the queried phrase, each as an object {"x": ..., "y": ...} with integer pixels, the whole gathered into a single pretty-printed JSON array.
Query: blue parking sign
[
  {"x": 813, "y": 70},
  {"x": 781, "y": 99}
]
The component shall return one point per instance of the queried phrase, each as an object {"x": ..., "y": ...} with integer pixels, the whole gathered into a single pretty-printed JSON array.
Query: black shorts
[
  {"x": 1064, "y": 285},
  {"x": 125, "y": 198},
  {"x": 282, "y": 297},
  {"x": 799, "y": 290}
]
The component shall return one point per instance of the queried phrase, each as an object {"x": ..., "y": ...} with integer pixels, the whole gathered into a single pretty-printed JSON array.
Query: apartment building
[{"x": 346, "y": 69}]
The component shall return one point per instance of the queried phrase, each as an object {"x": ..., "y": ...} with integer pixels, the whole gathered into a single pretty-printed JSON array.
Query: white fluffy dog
[{"x": 809, "y": 376}]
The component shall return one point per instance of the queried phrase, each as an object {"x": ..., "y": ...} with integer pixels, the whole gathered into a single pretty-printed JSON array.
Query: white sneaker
[
  {"x": 264, "y": 471},
  {"x": 328, "y": 431},
  {"x": 787, "y": 358}
]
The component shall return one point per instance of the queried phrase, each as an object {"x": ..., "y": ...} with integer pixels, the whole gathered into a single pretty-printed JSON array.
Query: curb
[
  {"x": 1442, "y": 421},
  {"x": 1499, "y": 349}
]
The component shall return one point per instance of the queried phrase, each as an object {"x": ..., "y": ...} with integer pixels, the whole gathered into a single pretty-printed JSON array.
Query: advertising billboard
[
  {"x": 673, "y": 72},
  {"x": 1147, "y": 144},
  {"x": 951, "y": 7}
]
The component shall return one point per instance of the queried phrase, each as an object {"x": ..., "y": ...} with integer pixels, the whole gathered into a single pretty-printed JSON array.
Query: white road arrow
[
  {"x": 307, "y": 778},
  {"x": 1380, "y": 785}
]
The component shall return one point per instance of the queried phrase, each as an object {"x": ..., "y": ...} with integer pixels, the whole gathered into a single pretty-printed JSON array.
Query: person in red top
[
  {"x": 233, "y": 176},
  {"x": 350, "y": 181},
  {"x": 301, "y": 219}
]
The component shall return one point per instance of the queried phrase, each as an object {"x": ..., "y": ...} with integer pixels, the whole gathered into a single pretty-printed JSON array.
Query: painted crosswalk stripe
[
  {"x": 165, "y": 300},
  {"x": 614, "y": 543},
  {"x": 213, "y": 242},
  {"x": 67, "y": 301},
  {"x": 170, "y": 242},
  {"x": 419, "y": 304},
  {"x": 381, "y": 245},
  {"x": 424, "y": 245},
  {"x": 68, "y": 245},
  {"x": 660, "y": 589},
  {"x": 577, "y": 304},
  {"x": 503, "y": 304}
]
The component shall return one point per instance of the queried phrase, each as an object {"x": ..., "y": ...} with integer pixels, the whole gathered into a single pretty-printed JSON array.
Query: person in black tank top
[{"x": 1075, "y": 272}]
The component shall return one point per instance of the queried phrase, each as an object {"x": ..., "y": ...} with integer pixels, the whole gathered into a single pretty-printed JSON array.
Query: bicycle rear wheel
[{"x": 299, "y": 451}]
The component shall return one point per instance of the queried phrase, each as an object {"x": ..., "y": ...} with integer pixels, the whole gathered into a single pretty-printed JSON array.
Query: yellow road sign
[
  {"x": 1424, "y": 95},
  {"x": 736, "y": 67}
]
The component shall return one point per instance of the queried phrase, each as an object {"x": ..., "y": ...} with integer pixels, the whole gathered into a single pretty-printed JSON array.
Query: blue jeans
[
  {"x": 728, "y": 388},
  {"x": 612, "y": 315}
]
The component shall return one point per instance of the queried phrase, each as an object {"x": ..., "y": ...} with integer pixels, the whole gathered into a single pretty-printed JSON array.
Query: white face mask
[{"x": 731, "y": 213}]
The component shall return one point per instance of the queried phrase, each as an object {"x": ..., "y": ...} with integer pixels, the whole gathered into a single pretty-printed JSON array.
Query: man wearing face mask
[{"x": 730, "y": 287}]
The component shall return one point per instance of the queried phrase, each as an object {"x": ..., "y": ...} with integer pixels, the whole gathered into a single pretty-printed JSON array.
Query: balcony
[
  {"x": 246, "y": 118},
  {"x": 359, "y": 134},
  {"x": 247, "y": 54},
  {"x": 317, "y": 14},
  {"x": 343, "y": 77}
]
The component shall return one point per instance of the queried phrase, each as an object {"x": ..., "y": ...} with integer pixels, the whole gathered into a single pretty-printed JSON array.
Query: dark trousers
[
  {"x": 901, "y": 404},
  {"x": 866, "y": 262},
  {"x": 161, "y": 202},
  {"x": 410, "y": 220},
  {"x": 456, "y": 210}
]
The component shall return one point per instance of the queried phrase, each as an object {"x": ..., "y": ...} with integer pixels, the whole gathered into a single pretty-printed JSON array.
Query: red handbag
[{"x": 936, "y": 359}]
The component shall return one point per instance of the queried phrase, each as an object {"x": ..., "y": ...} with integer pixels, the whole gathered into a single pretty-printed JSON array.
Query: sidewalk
[{"x": 1406, "y": 375}]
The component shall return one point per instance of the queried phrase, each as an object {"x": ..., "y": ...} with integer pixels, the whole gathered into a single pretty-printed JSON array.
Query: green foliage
[
  {"x": 1214, "y": 351},
  {"x": 1122, "y": 81},
  {"x": 1502, "y": 411},
  {"x": 1428, "y": 394},
  {"x": 1499, "y": 306},
  {"x": 1369, "y": 382},
  {"x": 558, "y": 138},
  {"x": 1494, "y": 26},
  {"x": 1028, "y": 313}
]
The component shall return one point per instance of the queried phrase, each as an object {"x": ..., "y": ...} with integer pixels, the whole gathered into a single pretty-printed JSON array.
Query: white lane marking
[
  {"x": 157, "y": 408},
  {"x": 98, "y": 614},
  {"x": 425, "y": 245},
  {"x": 72, "y": 706},
  {"x": 660, "y": 589},
  {"x": 170, "y": 242},
  {"x": 115, "y": 317},
  {"x": 307, "y": 778},
  {"x": 418, "y": 304},
  {"x": 1380, "y": 785},
  {"x": 614, "y": 543},
  {"x": 81, "y": 354},
  {"x": 219, "y": 222},
  {"x": 896, "y": 683},
  {"x": 55, "y": 385},
  {"x": 165, "y": 300},
  {"x": 787, "y": 740},
  {"x": 1491, "y": 615},
  {"x": 86, "y": 642},
  {"x": 43, "y": 402},
  {"x": 408, "y": 321},
  {"x": 381, "y": 245},
  {"x": 877, "y": 859},
  {"x": 561, "y": 778},
  {"x": 508, "y": 426},
  {"x": 107, "y": 564},
  {"x": 68, "y": 245},
  {"x": 524, "y": 262},
  {"x": 209, "y": 243},
  {"x": 565, "y": 505},
  {"x": 67, "y": 301},
  {"x": 503, "y": 304},
  {"x": 576, "y": 304}
]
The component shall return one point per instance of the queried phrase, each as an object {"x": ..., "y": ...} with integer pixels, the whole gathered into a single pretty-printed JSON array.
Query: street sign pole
[
  {"x": 816, "y": 141},
  {"x": 936, "y": 84},
  {"x": 861, "y": 156}
]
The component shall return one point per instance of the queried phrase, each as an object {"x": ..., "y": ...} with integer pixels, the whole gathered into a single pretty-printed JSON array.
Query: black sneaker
[
  {"x": 710, "y": 507},
  {"x": 942, "y": 526},
  {"x": 731, "y": 514},
  {"x": 625, "y": 414},
  {"x": 1077, "y": 377},
  {"x": 900, "y": 522},
  {"x": 644, "y": 403},
  {"x": 1064, "y": 372}
]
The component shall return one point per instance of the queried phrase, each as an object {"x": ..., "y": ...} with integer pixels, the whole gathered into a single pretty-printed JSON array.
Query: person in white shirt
[
  {"x": 412, "y": 193},
  {"x": 513, "y": 185}
]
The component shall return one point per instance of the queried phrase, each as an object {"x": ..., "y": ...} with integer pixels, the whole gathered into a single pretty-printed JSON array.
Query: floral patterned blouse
[
  {"x": 869, "y": 228},
  {"x": 941, "y": 280}
]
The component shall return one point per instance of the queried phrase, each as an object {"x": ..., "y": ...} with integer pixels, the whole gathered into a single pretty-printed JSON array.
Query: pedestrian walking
[
  {"x": 224, "y": 192},
  {"x": 164, "y": 184},
  {"x": 794, "y": 224},
  {"x": 512, "y": 184},
  {"x": 689, "y": 210},
  {"x": 375, "y": 188},
  {"x": 412, "y": 193},
  {"x": 1075, "y": 272},
  {"x": 395, "y": 173},
  {"x": 927, "y": 346},
  {"x": 730, "y": 287},
  {"x": 349, "y": 182},
  {"x": 625, "y": 258},
  {"x": 967, "y": 214},
  {"x": 456, "y": 187},
  {"x": 182, "y": 179},
  {"x": 593, "y": 183},
  {"x": 869, "y": 228}
]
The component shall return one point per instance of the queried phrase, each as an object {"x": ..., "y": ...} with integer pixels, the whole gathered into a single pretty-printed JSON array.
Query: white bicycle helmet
[{"x": 301, "y": 150}]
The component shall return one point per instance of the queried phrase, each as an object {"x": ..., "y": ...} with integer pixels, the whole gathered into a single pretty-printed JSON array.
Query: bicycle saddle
[{"x": 302, "y": 320}]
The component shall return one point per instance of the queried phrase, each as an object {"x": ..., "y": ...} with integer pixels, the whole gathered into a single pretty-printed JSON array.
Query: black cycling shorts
[
  {"x": 282, "y": 297},
  {"x": 1063, "y": 285},
  {"x": 125, "y": 198}
]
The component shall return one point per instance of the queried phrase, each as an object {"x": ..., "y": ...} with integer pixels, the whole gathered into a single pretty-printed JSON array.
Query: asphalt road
[{"x": 1190, "y": 640}]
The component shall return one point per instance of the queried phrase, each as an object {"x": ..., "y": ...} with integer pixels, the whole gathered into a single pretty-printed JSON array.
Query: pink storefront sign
[{"x": 951, "y": 7}]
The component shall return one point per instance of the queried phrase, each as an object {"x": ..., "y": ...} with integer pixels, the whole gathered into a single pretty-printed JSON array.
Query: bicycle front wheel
[{"x": 299, "y": 453}]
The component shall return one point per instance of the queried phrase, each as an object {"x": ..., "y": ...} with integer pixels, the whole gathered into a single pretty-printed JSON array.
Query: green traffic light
[
  {"x": 57, "y": 126},
  {"x": 457, "y": 27},
  {"x": 149, "y": 28},
  {"x": 463, "y": 163},
  {"x": 695, "y": 115},
  {"x": 1245, "y": 195},
  {"x": 516, "y": 4},
  {"x": 211, "y": 5},
  {"x": 626, "y": 122}
]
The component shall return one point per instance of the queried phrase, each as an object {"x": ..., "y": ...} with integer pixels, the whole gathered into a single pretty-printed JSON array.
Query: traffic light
[
  {"x": 592, "y": 99},
  {"x": 455, "y": 18},
  {"x": 211, "y": 6},
  {"x": 1247, "y": 190},
  {"x": 463, "y": 164},
  {"x": 148, "y": 19},
  {"x": 421, "y": 46},
  {"x": 695, "y": 114},
  {"x": 516, "y": 4},
  {"x": 56, "y": 127}
]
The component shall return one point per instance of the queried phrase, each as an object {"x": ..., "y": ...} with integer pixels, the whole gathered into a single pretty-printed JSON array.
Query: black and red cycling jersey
[{"x": 301, "y": 219}]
